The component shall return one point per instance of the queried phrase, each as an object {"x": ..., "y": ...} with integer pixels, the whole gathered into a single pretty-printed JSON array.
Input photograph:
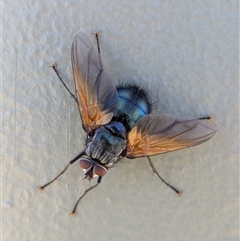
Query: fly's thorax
[{"x": 107, "y": 143}]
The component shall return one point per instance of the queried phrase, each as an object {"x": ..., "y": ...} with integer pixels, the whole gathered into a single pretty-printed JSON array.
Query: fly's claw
[
  {"x": 41, "y": 189},
  {"x": 179, "y": 193},
  {"x": 210, "y": 117},
  {"x": 96, "y": 34},
  {"x": 54, "y": 66},
  {"x": 73, "y": 213}
]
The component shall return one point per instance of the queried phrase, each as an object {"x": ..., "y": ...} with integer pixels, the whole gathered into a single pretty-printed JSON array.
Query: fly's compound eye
[
  {"x": 85, "y": 164},
  {"x": 98, "y": 169}
]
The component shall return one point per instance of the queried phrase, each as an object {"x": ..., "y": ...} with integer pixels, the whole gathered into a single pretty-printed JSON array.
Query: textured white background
[{"x": 186, "y": 52}]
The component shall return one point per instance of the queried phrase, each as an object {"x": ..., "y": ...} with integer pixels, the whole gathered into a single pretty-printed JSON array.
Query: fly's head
[{"x": 92, "y": 168}]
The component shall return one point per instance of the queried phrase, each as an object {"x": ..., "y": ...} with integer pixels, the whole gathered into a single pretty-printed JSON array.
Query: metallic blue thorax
[{"x": 107, "y": 143}]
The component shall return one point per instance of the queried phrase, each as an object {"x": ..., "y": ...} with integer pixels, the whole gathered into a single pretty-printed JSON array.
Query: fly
[{"x": 118, "y": 120}]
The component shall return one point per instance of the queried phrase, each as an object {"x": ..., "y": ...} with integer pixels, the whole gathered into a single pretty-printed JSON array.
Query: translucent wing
[
  {"x": 157, "y": 134},
  {"x": 96, "y": 93}
]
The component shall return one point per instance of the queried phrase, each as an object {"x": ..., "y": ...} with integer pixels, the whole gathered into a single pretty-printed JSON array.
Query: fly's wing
[
  {"x": 96, "y": 92},
  {"x": 157, "y": 134}
]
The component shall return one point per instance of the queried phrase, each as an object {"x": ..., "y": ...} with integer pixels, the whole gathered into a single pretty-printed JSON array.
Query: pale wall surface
[{"x": 186, "y": 52}]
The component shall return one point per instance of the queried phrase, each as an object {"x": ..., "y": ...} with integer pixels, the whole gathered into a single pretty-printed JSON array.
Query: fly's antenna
[{"x": 83, "y": 179}]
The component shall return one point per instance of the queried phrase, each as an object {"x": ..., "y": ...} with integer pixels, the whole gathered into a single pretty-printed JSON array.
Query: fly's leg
[
  {"x": 209, "y": 117},
  {"x": 74, "y": 213},
  {"x": 41, "y": 188},
  {"x": 96, "y": 35},
  {"x": 54, "y": 67},
  {"x": 155, "y": 171}
]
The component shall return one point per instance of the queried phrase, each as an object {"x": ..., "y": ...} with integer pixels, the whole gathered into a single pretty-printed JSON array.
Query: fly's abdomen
[{"x": 133, "y": 104}]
